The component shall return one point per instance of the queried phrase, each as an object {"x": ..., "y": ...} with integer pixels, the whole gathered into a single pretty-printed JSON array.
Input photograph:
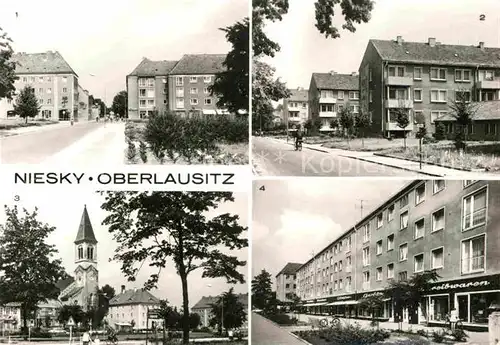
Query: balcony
[
  {"x": 327, "y": 100},
  {"x": 399, "y": 81},
  {"x": 327, "y": 114},
  {"x": 488, "y": 84},
  {"x": 399, "y": 103}
]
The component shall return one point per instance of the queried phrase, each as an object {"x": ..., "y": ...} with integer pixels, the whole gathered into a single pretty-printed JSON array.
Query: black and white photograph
[
  {"x": 131, "y": 82},
  {"x": 128, "y": 268},
  {"x": 391, "y": 262},
  {"x": 376, "y": 88}
]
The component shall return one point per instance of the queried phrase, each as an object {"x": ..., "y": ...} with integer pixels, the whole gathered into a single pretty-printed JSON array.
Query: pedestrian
[
  {"x": 453, "y": 318},
  {"x": 86, "y": 338}
]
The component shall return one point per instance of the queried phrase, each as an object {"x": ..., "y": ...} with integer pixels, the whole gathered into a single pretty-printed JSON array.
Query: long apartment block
[
  {"x": 286, "y": 281},
  {"x": 296, "y": 107},
  {"x": 446, "y": 225},
  {"x": 178, "y": 86},
  {"x": 422, "y": 79}
]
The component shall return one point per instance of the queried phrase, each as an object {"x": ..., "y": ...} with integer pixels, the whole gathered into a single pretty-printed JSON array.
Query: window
[
  {"x": 438, "y": 220},
  {"x": 490, "y": 128},
  {"x": 348, "y": 264},
  {"x": 353, "y": 94},
  {"x": 462, "y": 75},
  {"x": 489, "y": 75},
  {"x": 390, "y": 242},
  {"x": 348, "y": 284},
  {"x": 463, "y": 96},
  {"x": 473, "y": 259},
  {"x": 366, "y": 280},
  {"x": 335, "y": 267},
  {"x": 49, "y": 101},
  {"x": 438, "y": 185},
  {"x": 80, "y": 252},
  {"x": 49, "y": 79},
  {"x": 193, "y": 79},
  {"x": 437, "y": 114},
  {"x": 379, "y": 247},
  {"x": 151, "y": 102},
  {"x": 397, "y": 93},
  {"x": 354, "y": 108},
  {"x": 335, "y": 285},
  {"x": 390, "y": 213},
  {"x": 142, "y": 92},
  {"x": 370, "y": 96},
  {"x": 179, "y": 81},
  {"x": 179, "y": 103},
  {"x": 403, "y": 276},
  {"x": 340, "y": 266},
  {"x": 208, "y": 101},
  {"x": 142, "y": 103},
  {"x": 390, "y": 271},
  {"x": 205, "y": 91},
  {"x": 340, "y": 95},
  {"x": 65, "y": 90},
  {"x": 380, "y": 220},
  {"x": 437, "y": 258},
  {"x": 165, "y": 91},
  {"x": 341, "y": 285},
  {"x": 417, "y": 95},
  {"x": 438, "y": 74},
  {"x": 193, "y": 101},
  {"x": 403, "y": 220},
  {"x": 327, "y": 107},
  {"x": 179, "y": 92},
  {"x": 64, "y": 79},
  {"x": 468, "y": 182},
  {"x": 439, "y": 96},
  {"x": 151, "y": 93},
  {"x": 417, "y": 73},
  {"x": 193, "y": 90},
  {"x": 40, "y": 101},
  {"x": 419, "y": 228},
  {"x": 207, "y": 79},
  {"x": 287, "y": 286},
  {"x": 474, "y": 212},
  {"x": 366, "y": 232},
  {"x": 369, "y": 74},
  {"x": 418, "y": 263},
  {"x": 420, "y": 194},
  {"x": 349, "y": 243},
  {"x": 25, "y": 80},
  {"x": 366, "y": 256},
  {"x": 304, "y": 105},
  {"x": 40, "y": 89},
  {"x": 396, "y": 71},
  {"x": 403, "y": 201},
  {"x": 403, "y": 252},
  {"x": 379, "y": 274}
]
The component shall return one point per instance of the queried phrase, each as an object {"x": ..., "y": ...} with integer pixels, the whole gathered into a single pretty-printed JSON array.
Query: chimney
[
  {"x": 123, "y": 289},
  {"x": 481, "y": 45},
  {"x": 399, "y": 40},
  {"x": 354, "y": 74},
  {"x": 333, "y": 72},
  {"x": 432, "y": 41}
]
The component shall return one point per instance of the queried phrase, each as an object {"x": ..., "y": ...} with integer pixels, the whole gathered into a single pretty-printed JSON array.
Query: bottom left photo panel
[{"x": 121, "y": 267}]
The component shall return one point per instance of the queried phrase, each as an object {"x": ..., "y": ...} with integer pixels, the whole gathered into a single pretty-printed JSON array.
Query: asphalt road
[
  {"x": 265, "y": 332},
  {"x": 35, "y": 147},
  {"x": 276, "y": 158}
]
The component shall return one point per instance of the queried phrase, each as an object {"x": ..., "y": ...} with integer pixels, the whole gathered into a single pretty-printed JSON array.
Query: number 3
[{"x": 17, "y": 198}]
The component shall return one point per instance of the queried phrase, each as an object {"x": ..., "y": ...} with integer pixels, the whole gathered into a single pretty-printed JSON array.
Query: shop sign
[
  {"x": 341, "y": 298},
  {"x": 370, "y": 294},
  {"x": 482, "y": 283}
]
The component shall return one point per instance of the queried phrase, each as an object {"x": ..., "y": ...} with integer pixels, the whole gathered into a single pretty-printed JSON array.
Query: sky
[
  {"x": 110, "y": 38},
  {"x": 294, "y": 218},
  {"x": 304, "y": 50},
  {"x": 63, "y": 209}
]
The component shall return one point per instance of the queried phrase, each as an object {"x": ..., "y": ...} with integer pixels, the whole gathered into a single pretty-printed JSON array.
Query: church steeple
[{"x": 85, "y": 231}]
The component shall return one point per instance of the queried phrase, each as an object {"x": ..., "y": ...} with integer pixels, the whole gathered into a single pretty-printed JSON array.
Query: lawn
[{"x": 8, "y": 124}]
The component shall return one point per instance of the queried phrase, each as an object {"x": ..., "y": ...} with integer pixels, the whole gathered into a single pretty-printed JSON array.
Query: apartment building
[
  {"x": 296, "y": 107},
  {"x": 54, "y": 81},
  {"x": 447, "y": 225},
  {"x": 421, "y": 79},
  {"x": 329, "y": 93},
  {"x": 286, "y": 281},
  {"x": 204, "y": 308},
  {"x": 84, "y": 108}
]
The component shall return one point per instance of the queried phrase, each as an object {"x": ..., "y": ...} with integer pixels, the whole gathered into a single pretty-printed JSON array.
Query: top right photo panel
[{"x": 376, "y": 88}]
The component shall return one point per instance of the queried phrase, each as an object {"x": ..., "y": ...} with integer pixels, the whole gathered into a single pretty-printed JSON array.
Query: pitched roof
[
  {"x": 290, "y": 268},
  {"x": 72, "y": 291},
  {"x": 206, "y": 301},
  {"x": 489, "y": 110},
  {"x": 64, "y": 283},
  {"x": 200, "y": 64},
  {"x": 40, "y": 63},
  {"x": 439, "y": 54},
  {"x": 299, "y": 95},
  {"x": 150, "y": 68},
  {"x": 134, "y": 296},
  {"x": 336, "y": 81},
  {"x": 85, "y": 231}
]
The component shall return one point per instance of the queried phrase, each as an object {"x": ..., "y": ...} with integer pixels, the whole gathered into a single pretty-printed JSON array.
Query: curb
[
  {"x": 430, "y": 163},
  {"x": 393, "y": 166},
  {"x": 293, "y": 335}
]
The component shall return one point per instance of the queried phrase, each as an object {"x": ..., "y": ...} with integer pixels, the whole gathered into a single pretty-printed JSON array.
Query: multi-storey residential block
[
  {"x": 444, "y": 225},
  {"x": 296, "y": 107},
  {"x": 204, "y": 308},
  {"x": 329, "y": 93},
  {"x": 84, "y": 108},
  {"x": 422, "y": 78},
  {"x": 54, "y": 81},
  {"x": 286, "y": 282}
]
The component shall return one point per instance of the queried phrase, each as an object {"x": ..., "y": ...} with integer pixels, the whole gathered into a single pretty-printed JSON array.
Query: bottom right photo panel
[{"x": 349, "y": 261}]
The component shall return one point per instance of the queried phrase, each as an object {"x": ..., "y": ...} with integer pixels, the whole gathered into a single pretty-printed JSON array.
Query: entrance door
[
  {"x": 405, "y": 315},
  {"x": 463, "y": 307}
]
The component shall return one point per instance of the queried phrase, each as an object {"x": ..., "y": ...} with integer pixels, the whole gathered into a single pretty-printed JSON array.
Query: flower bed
[
  {"x": 344, "y": 335},
  {"x": 281, "y": 319}
]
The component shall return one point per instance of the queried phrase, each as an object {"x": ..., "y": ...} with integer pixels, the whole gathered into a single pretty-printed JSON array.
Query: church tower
[{"x": 86, "y": 273}]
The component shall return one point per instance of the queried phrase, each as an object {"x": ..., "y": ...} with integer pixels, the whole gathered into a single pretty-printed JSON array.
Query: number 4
[{"x": 262, "y": 188}]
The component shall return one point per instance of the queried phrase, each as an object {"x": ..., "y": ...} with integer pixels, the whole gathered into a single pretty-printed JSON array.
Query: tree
[
  {"x": 463, "y": 111},
  {"x": 194, "y": 320},
  {"x": 70, "y": 310},
  {"x": 439, "y": 133},
  {"x": 261, "y": 290},
  {"x": 362, "y": 121},
  {"x": 228, "y": 312},
  {"x": 334, "y": 123},
  {"x": 231, "y": 85},
  {"x": 372, "y": 302},
  {"x": 169, "y": 315},
  {"x": 422, "y": 132},
  {"x": 99, "y": 311},
  {"x": 409, "y": 293},
  {"x": 7, "y": 67},
  {"x": 346, "y": 121},
  {"x": 26, "y": 104},
  {"x": 28, "y": 270},
  {"x": 402, "y": 121},
  {"x": 316, "y": 125},
  {"x": 157, "y": 226},
  {"x": 120, "y": 102}
]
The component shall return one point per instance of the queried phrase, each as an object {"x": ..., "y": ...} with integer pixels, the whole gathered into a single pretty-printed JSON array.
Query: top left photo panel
[{"x": 115, "y": 83}]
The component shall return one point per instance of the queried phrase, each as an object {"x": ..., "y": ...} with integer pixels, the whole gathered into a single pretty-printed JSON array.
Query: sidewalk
[
  {"x": 427, "y": 169},
  {"x": 120, "y": 342},
  {"x": 31, "y": 129}
]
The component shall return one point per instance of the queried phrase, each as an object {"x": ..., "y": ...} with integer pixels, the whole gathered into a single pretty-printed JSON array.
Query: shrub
[
  {"x": 346, "y": 335},
  {"x": 459, "y": 335},
  {"x": 439, "y": 133},
  {"x": 131, "y": 152},
  {"x": 423, "y": 333},
  {"x": 282, "y": 319},
  {"x": 438, "y": 336}
]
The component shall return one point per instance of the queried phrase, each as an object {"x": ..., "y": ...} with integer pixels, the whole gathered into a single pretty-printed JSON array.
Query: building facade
[
  {"x": 296, "y": 107},
  {"x": 286, "y": 282},
  {"x": 54, "y": 81},
  {"x": 204, "y": 308},
  {"x": 129, "y": 309},
  {"x": 329, "y": 93},
  {"x": 420, "y": 79},
  {"x": 443, "y": 225},
  {"x": 84, "y": 108}
]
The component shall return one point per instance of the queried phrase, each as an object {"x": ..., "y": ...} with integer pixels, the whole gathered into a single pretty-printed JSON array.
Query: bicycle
[
  {"x": 298, "y": 145},
  {"x": 458, "y": 324},
  {"x": 111, "y": 338},
  {"x": 334, "y": 322}
]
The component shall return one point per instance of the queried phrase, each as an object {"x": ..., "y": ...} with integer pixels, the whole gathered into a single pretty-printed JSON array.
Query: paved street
[
  {"x": 265, "y": 332},
  {"x": 274, "y": 158},
  {"x": 85, "y": 144}
]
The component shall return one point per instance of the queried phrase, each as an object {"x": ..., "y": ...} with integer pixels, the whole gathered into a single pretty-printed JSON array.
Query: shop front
[{"x": 343, "y": 306}]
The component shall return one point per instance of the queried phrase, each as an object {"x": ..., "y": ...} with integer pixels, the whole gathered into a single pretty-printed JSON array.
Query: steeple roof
[{"x": 85, "y": 231}]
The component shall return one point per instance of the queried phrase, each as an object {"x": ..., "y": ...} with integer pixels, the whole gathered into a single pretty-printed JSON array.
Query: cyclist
[{"x": 299, "y": 136}]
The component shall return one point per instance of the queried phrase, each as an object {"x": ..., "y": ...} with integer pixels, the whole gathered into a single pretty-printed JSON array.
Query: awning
[
  {"x": 314, "y": 304},
  {"x": 352, "y": 302},
  {"x": 123, "y": 324}
]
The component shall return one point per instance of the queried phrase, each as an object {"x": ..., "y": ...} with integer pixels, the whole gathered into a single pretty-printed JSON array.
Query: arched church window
[
  {"x": 80, "y": 252},
  {"x": 90, "y": 253}
]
